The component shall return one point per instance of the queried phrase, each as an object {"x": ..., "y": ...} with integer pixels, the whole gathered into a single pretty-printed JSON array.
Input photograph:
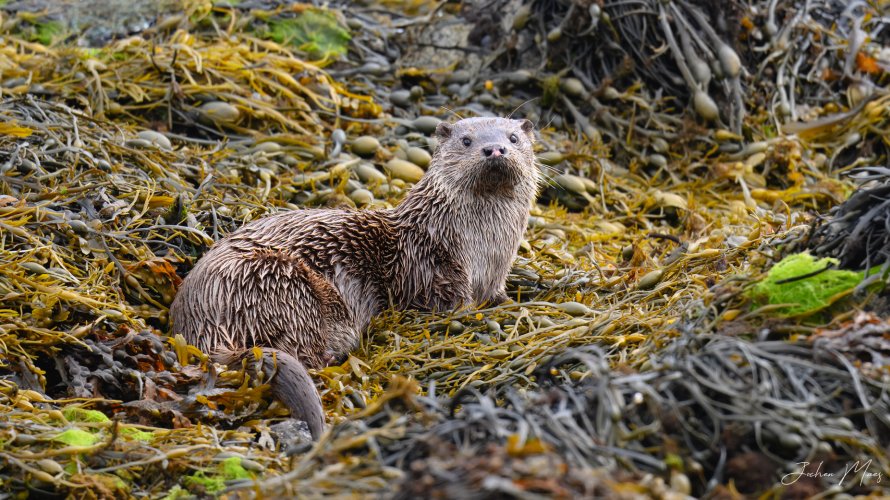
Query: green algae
[
  {"x": 803, "y": 285},
  {"x": 315, "y": 32},
  {"x": 228, "y": 470},
  {"x": 77, "y": 437},
  {"x": 77, "y": 414}
]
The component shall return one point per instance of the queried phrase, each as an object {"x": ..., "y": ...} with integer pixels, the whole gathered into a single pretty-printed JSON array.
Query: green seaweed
[
  {"x": 199, "y": 480},
  {"x": 176, "y": 493},
  {"x": 137, "y": 434},
  {"x": 315, "y": 32},
  {"x": 77, "y": 414},
  {"x": 47, "y": 32},
  {"x": 77, "y": 437},
  {"x": 804, "y": 285},
  {"x": 231, "y": 469},
  {"x": 227, "y": 470}
]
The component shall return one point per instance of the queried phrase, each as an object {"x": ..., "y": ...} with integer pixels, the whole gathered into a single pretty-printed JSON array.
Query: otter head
[{"x": 487, "y": 156}]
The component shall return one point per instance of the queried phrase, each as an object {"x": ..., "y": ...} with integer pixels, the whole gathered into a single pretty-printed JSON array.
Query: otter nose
[{"x": 494, "y": 151}]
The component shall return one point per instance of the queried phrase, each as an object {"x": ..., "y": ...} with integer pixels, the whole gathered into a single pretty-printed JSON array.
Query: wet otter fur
[{"x": 303, "y": 285}]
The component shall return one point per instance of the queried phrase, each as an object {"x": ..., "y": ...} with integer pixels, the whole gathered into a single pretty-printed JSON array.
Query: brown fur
[{"x": 305, "y": 284}]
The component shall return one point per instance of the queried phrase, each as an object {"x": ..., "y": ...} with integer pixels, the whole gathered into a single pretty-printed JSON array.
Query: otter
[{"x": 303, "y": 285}]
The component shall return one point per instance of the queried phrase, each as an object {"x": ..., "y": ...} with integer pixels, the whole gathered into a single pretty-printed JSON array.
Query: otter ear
[
  {"x": 527, "y": 126},
  {"x": 443, "y": 130}
]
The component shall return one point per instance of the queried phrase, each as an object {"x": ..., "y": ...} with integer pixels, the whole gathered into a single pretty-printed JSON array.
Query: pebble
[
  {"x": 483, "y": 338},
  {"x": 352, "y": 185},
  {"x": 419, "y": 157},
  {"x": 459, "y": 76},
  {"x": 498, "y": 353},
  {"x": 369, "y": 174},
  {"x": 365, "y": 146},
  {"x": 361, "y": 197},
  {"x": 139, "y": 143},
  {"x": 404, "y": 170},
  {"x": 381, "y": 190},
  {"x": 219, "y": 112},
  {"x": 291, "y": 432},
  {"x": 486, "y": 99},
  {"x": 680, "y": 483},
  {"x": 426, "y": 124},
  {"x": 610, "y": 227},
  {"x": 401, "y": 98},
  {"x": 51, "y": 466},
  {"x": 155, "y": 138},
  {"x": 520, "y": 18}
]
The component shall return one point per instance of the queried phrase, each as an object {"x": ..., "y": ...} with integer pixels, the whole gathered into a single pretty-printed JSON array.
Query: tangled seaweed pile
[
  {"x": 781, "y": 64},
  {"x": 858, "y": 232},
  {"x": 633, "y": 360}
]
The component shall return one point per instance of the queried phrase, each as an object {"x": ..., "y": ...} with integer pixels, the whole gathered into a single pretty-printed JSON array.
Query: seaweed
[
  {"x": 314, "y": 32},
  {"x": 804, "y": 285}
]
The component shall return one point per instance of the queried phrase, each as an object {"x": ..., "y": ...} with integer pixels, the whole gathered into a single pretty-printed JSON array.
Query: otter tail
[{"x": 291, "y": 385}]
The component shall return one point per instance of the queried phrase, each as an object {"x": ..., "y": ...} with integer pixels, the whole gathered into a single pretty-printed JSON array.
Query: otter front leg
[
  {"x": 493, "y": 298},
  {"x": 450, "y": 296},
  {"x": 334, "y": 357},
  {"x": 499, "y": 298},
  {"x": 450, "y": 290}
]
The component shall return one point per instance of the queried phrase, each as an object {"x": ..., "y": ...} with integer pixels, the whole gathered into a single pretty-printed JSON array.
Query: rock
[
  {"x": 361, "y": 197},
  {"x": 369, "y": 174},
  {"x": 426, "y": 124},
  {"x": 218, "y": 112},
  {"x": 290, "y": 433},
  {"x": 401, "y": 98},
  {"x": 405, "y": 170},
  {"x": 419, "y": 157},
  {"x": 365, "y": 146},
  {"x": 158, "y": 139}
]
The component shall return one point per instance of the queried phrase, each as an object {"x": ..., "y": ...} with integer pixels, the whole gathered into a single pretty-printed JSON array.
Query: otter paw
[
  {"x": 332, "y": 358},
  {"x": 500, "y": 298}
]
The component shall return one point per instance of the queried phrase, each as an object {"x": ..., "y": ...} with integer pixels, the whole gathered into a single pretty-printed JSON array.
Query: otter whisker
[
  {"x": 455, "y": 113},
  {"x": 510, "y": 115}
]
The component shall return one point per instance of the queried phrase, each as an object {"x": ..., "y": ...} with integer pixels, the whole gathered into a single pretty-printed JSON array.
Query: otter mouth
[{"x": 496, "y": 175}]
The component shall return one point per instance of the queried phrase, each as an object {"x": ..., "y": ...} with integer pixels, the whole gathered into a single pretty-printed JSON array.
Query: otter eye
[
  {"x": 513, "y": 138},
  {"x": 467, "y": 141}
]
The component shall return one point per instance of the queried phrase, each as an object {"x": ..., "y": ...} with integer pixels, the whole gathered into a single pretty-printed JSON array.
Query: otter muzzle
[{"x": 494, "y": 151}]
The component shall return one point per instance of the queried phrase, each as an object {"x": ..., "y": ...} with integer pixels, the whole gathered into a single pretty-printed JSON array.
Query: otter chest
[{"x": 491, "y": 238}]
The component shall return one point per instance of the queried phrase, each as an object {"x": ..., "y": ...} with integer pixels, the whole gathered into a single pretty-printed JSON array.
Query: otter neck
[
  {"x": 431, "y": 209},
  {"x": 483, "y": 232},
  {"x": 441, "y": 209}
]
